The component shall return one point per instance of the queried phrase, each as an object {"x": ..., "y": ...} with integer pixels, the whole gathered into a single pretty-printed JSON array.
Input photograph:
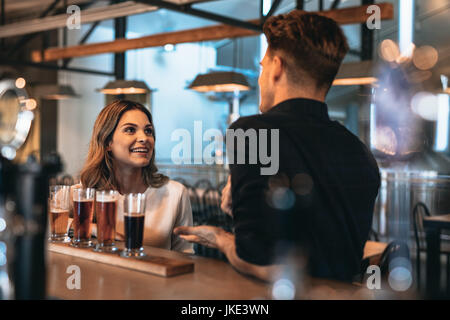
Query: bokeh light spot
[
  {"x": 283, "y": 289},
  {"x": 389, "y": 50},
  {"x": 302, "y": 184},
  {"x": 400, "y": 279},
  {"x": 425, "y": 57},
  {"x": 425, "y": 105}
]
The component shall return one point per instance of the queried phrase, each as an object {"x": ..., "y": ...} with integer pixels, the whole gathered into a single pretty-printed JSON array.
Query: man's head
[{"x": 304, "y": 53}]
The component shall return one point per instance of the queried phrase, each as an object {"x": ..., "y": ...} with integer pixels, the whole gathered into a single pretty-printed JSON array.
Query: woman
[{"x": 122, "y": 157}]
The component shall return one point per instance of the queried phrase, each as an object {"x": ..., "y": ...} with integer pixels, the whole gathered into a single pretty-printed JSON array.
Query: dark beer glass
[
  {"x": 134, "y": 214},
  {"x": 83, "y": 212},
  {"x": 106, "y": 212},
  {"x": 58, "y": 213}
]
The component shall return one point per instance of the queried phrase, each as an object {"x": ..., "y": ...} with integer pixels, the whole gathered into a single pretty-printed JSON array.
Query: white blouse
[{"x": 166, "y": 207}]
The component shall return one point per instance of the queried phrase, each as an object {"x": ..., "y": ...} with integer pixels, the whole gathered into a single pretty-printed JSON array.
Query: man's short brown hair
[{"x": 309, "y": 43}]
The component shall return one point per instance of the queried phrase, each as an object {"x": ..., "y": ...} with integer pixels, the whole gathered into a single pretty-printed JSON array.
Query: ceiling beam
[
  {"x": 157, "y": 40},
  {"x": 355, "y": 15},
  {"x": 342, "y": 16},
  {"x": 88, "y": 16}
]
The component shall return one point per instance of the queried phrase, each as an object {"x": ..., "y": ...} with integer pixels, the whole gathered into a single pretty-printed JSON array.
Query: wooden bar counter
[{"x": 211, "y": 279}]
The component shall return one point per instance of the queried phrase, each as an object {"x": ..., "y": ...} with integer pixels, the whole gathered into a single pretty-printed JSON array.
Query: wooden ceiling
[
  {"x": 342, "y": 16},
  {"x": 17, "y": 10}
]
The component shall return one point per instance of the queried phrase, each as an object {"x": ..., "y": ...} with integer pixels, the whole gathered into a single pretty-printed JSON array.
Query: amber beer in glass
[
  {"x": 58, "y": 212},
  {"x": 134, "y": 214},
  {"x": 106, "y": 212},
  {"x": 83, "y": 212}
]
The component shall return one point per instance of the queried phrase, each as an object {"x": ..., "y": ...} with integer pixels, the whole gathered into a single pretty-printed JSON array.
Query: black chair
[
  {"x": 373, "y": 235},
  {"x": 196, "y": 205},
  {"x": 395, "y": 249},
  {"x": 203, "y": 184},
  {"x": 67, "y": 180},
  {"x": 209, "y": 213},
  {"x": 221, "y": 185},
  {"x": 214, "y": 216},
  {"x": 64, "y": 179},
  {"x": 420, "y": 211}
]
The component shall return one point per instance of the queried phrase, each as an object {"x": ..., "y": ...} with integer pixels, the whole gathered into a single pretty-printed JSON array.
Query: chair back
[
  {"x": 420, "y": 211},
  {"x": 64, "y": 179},
  {"x": 214, "y": 215},
  {"x": 395, "y": 249},
  {"x": 196, "y": 205},
  {"x": 373, "y": 235},
  {"x": 203, "y": 184}
]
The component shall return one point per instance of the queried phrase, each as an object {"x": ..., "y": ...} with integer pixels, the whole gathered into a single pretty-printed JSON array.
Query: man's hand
[
  {"x": 205, "y": 235},
  {"x": 226, "y": 198},
  {"x": 218, "y": 238}
]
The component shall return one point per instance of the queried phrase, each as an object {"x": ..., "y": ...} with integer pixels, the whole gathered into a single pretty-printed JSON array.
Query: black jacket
[{"x": 321, "y": 200}]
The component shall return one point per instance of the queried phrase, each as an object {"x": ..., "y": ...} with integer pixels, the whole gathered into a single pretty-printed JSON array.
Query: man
[{"x": 321, "y": 200}]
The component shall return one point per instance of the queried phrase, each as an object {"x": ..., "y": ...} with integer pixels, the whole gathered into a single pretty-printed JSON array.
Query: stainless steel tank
[{"x": 411, "y": 170}]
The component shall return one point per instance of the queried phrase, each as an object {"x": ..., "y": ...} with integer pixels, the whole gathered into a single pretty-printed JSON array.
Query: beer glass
[
  {"x": 134, "y": 213},
  {"x": 83, "y": 212},
  {"x": 58, "y": 212},
  {"x": 106, "y": 211}
]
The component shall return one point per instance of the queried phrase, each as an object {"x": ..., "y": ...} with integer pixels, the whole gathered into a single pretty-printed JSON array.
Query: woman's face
[{"x": 132, "y": 143}]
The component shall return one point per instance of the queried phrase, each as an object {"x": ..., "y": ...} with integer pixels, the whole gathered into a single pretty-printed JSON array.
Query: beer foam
[
  {"x": 54, "y": 210},
  {"x": 82, "y": 200},
  {"x": 106, "y": 198},
  {"x": 133, "y": 214}
]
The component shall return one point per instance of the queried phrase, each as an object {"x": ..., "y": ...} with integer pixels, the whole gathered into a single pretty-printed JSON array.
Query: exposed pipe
[
  {"x": 84, "y": 39},
  {"x": 120, "y": 26},
  {"x": 335, "y": 4},
  {"x": 202, "y": 14},
  {"x": 272, "y": 10},
  {"x": 2, "y": 21},
  {"x": 366, "y": 37},
  {"x": 6, "y": 61}
]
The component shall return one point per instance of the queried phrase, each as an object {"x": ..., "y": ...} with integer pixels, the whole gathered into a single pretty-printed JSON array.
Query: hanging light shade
[
  {"x": 355, "y": 73},
  {"x": 220, "y": 82},
  {"x": 56, "y": 92},
  {"x": 117, "y": 87}
]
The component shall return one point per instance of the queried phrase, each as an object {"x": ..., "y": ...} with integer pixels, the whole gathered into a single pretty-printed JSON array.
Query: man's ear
[{"x": 277, "y": 69}]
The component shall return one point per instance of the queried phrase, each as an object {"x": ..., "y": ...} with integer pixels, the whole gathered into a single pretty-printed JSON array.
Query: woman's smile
[{"x": 140, "y": 151}]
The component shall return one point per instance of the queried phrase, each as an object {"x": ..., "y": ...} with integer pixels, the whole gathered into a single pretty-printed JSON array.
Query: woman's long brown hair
[{"x": 98, "y": 168}]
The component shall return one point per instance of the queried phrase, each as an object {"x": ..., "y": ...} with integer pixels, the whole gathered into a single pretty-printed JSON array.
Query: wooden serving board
[{"x": 160, "y": 266}]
